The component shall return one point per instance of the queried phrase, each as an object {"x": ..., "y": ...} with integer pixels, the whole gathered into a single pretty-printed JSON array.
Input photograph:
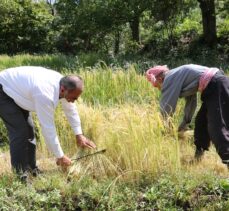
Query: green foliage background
[{"x": 157, "y": 28}]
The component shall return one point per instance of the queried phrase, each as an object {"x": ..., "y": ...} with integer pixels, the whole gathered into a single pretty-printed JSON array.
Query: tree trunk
[
  {"x": 117, "y": 42},
  {"x": 51, "y": 3},
  {"x": 134, "y": 25},
  {"x": 209, "y": 21}
]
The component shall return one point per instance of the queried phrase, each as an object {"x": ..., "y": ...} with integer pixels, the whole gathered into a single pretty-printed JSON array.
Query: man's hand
[
  {"x": 63, "y": 161},
  {"x": 183, "y": 127},
  {"x": 82, "y": 141}
]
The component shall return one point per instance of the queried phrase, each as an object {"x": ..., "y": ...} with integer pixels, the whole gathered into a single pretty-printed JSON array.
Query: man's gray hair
[{"x": 71, "y": 82}]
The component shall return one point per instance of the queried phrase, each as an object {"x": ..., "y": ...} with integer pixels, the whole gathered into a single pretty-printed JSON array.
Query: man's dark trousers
[
  {"x": 212, "y": 121},
  {"x": 20, "y": 132}
]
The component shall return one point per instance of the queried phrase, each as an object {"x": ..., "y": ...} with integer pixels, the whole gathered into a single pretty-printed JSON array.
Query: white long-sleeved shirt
[{"x": 36, "y": 89}]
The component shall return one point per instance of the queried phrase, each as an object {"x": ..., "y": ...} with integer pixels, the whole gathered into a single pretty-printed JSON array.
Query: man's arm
[
  {"x": 72, "y": 115},
  {"x": 71, "y": 112},
  {"x": 170, "y": 94},
  {"x": 45, "y": 113},
  {"x": 189, "y": 110}
]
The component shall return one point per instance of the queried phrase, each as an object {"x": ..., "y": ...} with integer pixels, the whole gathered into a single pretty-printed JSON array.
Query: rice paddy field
[{"x": 147, "y": 164}]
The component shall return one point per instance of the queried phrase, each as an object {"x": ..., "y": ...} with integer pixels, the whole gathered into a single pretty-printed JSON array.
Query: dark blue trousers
[
  {"x": 20, "y": 132},
  {"x": 212, "y": 120}
]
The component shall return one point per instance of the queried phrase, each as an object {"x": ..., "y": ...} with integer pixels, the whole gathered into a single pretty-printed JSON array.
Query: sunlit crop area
[{"x": 119, "y": 111}]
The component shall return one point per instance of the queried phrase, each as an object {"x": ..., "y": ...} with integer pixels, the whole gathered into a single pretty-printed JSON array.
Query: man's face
[
  {"x": 159, "y": 81},
  {"x": 158, "y": 85},
  {"x": 72, "y": 95}
]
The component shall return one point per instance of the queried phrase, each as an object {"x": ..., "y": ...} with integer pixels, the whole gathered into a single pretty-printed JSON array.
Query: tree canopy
[{"x": 116, "y": 26}]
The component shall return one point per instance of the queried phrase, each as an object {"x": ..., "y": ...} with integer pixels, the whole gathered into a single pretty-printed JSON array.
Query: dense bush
[
  {"x": 111, "y": 27},
  {"x": 25, "y": 27}
]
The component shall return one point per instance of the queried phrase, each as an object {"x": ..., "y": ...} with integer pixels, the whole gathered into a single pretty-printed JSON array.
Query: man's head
[
  {"x": 71, "y": 87},
  {"x": 156, "y": 75}
]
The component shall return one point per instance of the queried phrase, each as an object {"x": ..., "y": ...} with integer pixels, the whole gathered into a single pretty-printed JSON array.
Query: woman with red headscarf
[{"x": 212, "y": 120}]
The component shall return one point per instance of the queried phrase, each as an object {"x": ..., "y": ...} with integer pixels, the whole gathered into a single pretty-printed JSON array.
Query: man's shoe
[
  {"x": 24, "y": 177},
  {"x": 36, "y": 172},
  {"x": 199, "y": 154}
]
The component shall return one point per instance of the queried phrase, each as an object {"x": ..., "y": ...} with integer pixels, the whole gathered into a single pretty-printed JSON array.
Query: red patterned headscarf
[{"x": 153, "y": 72}]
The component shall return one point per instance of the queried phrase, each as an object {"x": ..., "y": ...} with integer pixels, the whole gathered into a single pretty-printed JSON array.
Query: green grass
[
  {"x": 55, "y": 192},
  {"x": 56, "y": 62}
]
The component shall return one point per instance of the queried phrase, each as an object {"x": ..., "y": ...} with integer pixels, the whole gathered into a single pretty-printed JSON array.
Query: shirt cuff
[
  {"x": 77, "y": 130},
  {"x": 58, "y": 152}
]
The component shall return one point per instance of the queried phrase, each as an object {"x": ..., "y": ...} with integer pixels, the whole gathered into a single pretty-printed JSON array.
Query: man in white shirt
[{"x": 36, "y": 89}]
